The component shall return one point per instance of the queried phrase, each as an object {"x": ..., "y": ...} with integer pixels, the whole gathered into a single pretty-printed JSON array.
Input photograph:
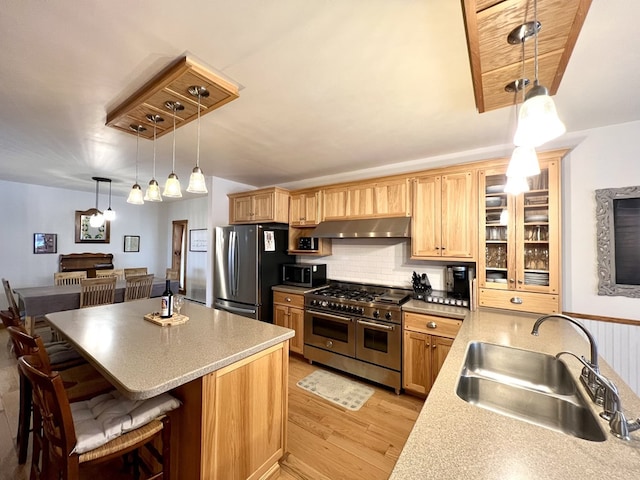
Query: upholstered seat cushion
[
  {"x": 105, "y": 417},
  {"x": 61, "y": 352}
]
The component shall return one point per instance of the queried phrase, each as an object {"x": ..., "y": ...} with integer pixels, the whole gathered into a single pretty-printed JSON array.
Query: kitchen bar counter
[
  {"x": 143, "y": 359},
  {"x": 295, "y": 290},
  {"x": 453, "y": 439},
  {"x": 230, "y": 372}
]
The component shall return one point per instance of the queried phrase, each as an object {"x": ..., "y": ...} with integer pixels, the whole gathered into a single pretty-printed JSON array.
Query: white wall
[{"x": 195, "y": 212}]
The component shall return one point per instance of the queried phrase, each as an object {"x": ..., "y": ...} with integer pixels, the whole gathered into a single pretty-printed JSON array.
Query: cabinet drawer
[
  {"x": 290, "y": 299},
  {"x": 431, "y": 324},
  {"x": 521, "y": 301}
]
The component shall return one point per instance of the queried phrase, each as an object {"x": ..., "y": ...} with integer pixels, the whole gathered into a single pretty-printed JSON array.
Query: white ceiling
[{"x": 326, "y": 86}]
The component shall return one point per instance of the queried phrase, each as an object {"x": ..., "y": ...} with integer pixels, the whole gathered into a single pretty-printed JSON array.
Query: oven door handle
[
  {"x": 376, "y": 325},
  {"x": 329, "y": 315}
]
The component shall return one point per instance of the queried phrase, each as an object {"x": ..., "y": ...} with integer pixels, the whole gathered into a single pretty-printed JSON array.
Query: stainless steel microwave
[{"x": 304, "y": 275}]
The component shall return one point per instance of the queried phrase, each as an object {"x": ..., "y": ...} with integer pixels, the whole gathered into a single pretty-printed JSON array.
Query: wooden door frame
[{"x": 179, "y": 230}]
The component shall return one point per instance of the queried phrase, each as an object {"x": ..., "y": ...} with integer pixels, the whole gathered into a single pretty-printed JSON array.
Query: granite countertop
[
  {"x": 453, "y": 439},
  {"x": 142, "y": 359}
]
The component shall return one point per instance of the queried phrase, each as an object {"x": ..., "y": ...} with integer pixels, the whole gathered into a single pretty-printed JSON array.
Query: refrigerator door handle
[
  {"x": 235, "y": 309},
  {"x": 231, "y": 263}
]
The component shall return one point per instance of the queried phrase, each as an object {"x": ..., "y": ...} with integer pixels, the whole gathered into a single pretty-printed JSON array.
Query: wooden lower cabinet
[
  {"x": 427, "y": 341},
  {"x": 288, "y": 311},
  {"x": 233, "y": 422}
]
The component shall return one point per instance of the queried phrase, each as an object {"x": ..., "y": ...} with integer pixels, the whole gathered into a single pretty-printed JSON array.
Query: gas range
[{"x": 367, "y": 301}]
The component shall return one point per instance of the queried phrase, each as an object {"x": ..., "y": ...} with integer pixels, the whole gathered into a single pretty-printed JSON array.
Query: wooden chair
[
  {"x": 114, "y": 272},
  {"x": 172, "y": 274},
  {"x": 138, "y": 286},
  {"x": 11, "y": 300},
  {"x": 55, "y": 443},
  {"x": 135, "y": 271},
  {"x": 69, "y": 278},
  {"x": 81, "y": 380},
  {"x": 97, "y": 291}
]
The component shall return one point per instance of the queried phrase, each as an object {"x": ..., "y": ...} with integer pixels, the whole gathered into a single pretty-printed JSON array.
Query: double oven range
[{"x": 356, "y": 328}]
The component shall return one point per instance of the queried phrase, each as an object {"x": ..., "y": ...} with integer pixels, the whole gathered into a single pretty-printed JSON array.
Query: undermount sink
[{"x": 529, "y": 386}]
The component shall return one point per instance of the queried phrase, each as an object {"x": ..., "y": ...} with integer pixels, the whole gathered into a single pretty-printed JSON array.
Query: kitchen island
[
  {"x": 230, "y": 372},
  {"x": 453, "y": 439}
]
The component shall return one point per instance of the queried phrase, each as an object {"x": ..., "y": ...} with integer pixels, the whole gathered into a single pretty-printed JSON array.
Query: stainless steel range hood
[{"x": 369, "y": 228}]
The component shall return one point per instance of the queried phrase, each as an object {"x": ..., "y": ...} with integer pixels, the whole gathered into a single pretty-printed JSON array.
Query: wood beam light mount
[
  {"x": 172, "y": 85},
  {"x": 495, "y": 62}
]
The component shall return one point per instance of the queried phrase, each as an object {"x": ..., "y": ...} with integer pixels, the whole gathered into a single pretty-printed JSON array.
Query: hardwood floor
[{"x": 325, "y": 442}]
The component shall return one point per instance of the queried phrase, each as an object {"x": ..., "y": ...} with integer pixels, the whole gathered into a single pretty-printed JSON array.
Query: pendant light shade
[
  {"x": 523, "y": 163},
  {"x": 516, "y": 185},
  {"x": 135, "y": 195},
  {"x": 538, "y": 121},
  {"x": 153, "y": 190},
  {"x": 108, "y": 213},
  {"x": 172, "y": 187},
  {"x": 96, "y": 220},
  {"x": 197, "y": 182}
]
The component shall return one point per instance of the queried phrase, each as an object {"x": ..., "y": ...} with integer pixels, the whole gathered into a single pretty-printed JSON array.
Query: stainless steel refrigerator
[{"x": 248, "y": 262}]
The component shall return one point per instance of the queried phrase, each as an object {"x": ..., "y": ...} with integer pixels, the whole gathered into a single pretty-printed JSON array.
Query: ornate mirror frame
[
  {"x": 606, "y": 242},
  {"x": 85, "y": 233}
]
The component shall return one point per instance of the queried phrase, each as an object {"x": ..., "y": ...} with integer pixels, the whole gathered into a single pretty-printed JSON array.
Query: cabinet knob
[
  {"x": 427, "y": 345},
  {"x": 433, "y": 345},
  {"x": 511, "y": 280},
  {"x": 329, "y": 344},
  {"x": 516, "y": 300},
  {"x": 432, "y": 325},
  {"x": 288, "y": 299},
  {"x": 520, "y": 282},
  {"x": 442, "y": 248}
]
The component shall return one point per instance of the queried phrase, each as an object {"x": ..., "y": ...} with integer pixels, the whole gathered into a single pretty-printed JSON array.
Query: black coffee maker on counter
[
  {"x": 458, "y": 281},
  {"x": 421, "y": 286}
]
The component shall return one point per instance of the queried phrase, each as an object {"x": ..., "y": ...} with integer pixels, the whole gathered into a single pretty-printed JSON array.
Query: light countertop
[
  {"x": 453, "y": 439},
  {"x": 142, "y": 359},
  {"x": 295, "y": 290}
]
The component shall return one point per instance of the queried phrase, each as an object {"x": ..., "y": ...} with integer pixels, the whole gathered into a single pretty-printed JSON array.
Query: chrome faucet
[
  {"x": 612, "y": 406},
  {"x": 589, "y": 375}
]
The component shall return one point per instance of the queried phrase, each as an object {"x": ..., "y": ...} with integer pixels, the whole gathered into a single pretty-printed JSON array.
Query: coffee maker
[{"x": 458, "y": 281}]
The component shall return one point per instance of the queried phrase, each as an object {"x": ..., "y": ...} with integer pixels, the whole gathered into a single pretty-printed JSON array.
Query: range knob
[
  {"x": 387, "y": 315},
  {"x": 324, "y": 303},
  {"x": 376, "y": 314}
]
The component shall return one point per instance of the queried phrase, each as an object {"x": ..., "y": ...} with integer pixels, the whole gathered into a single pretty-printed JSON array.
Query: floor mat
[{"x": 339, "y": 390}]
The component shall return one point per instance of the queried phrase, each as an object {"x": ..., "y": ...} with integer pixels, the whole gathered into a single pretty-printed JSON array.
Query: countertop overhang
[{"x": 453, "y": 439}]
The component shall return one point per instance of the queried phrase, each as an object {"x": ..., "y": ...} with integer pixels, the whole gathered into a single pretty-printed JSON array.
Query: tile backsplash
[{"x": 379, "y": 261}]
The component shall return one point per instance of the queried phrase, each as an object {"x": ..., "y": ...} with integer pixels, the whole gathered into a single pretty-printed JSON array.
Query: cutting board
[{"x": 175, "y": 319}]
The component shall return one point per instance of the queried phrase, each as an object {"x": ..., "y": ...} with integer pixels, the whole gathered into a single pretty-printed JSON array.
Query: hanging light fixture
[
  {"x": 197, "y": 182},
  {"x": 97, "y": 219},
  {"x": 172, "y": 187},
  {"x": 135, "y": 195},
  {"x": 153, "y": 190},
  {"x": 524, "y": 160},
  {"x": 108, "y": 213},
  {"x": 538, "y": 121},
  {"x": 516, "y": 185}
]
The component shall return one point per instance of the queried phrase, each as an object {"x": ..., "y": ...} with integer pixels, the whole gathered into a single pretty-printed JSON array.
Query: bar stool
[
  {"x": 65, "y": 439},
  {"x": 80, "y": 381}
]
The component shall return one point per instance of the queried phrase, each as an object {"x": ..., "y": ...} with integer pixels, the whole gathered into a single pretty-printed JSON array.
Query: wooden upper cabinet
[
  {"x": 383, "y": 198},
  {"x": 304, "y": 208},
  {"x": 445, "y": 216},
  {"x": 520, "y": 238},
  {"x": 257, "y": 206}
]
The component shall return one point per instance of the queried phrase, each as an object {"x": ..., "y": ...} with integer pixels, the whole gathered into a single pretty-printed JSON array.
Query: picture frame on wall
[
  {"x": 45, "y": 243},
  {"x": 131, "y": 243},
  {"x": 198, "y": 240}
]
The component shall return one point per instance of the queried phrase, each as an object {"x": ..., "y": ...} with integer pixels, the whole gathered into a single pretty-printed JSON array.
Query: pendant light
[
  {"x": 524, "y": 160},
  {"x": 197, "y": 182},
  {"x": 135, "y": 195},
  {"x": 97, "y": 219},
  {"x": 172, "y": 187},
  {"x": 538, "y": 121},
  {"x": 109, "y": 214},
  {"x": 153, "y": 190}
]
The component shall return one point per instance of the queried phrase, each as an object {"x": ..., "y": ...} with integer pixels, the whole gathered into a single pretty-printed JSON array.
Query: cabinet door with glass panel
[{"x": 521, "y": 234}]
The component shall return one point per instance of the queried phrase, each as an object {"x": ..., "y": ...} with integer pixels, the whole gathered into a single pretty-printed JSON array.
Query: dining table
[
  {"x": 230, "y": 373},
  {"x": 38, "y": 301}
]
